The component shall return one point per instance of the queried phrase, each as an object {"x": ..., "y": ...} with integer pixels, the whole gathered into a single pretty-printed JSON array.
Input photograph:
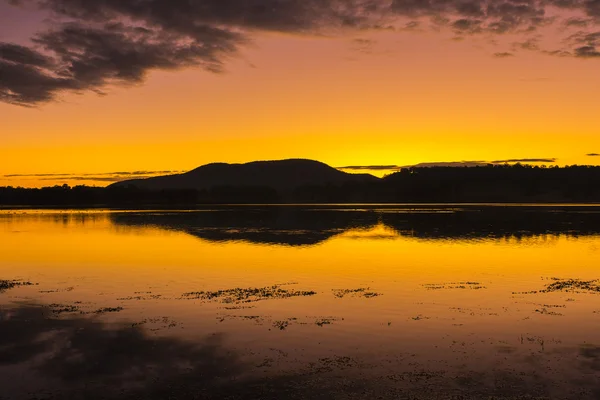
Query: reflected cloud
[
  {"x": 88, "y": 356},
  {"x": 77, "y": 357}
]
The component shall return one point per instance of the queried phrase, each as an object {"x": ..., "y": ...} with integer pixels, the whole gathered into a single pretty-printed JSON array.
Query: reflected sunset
[{"x": 375, "y": 291}]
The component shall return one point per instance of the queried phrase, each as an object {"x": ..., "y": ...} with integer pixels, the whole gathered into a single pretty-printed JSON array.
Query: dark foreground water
[{"x": 360, "y": 302}]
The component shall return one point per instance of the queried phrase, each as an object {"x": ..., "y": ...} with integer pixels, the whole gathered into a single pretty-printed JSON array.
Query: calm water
[{"x": 290, "y": 302}]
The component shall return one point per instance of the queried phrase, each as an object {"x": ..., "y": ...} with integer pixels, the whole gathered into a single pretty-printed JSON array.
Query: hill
[{"x": 280, "y": 175}]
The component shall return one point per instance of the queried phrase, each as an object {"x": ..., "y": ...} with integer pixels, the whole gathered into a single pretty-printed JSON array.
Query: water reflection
[
  {"x": 301, "y": 302},
  {"x": 296, "y": 226},
  {"x": 89, "y": 358},
  {"x": 81, "y": 357}
]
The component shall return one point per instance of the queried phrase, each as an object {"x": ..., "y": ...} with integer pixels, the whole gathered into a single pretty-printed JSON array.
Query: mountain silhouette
[{"x": 279, "y": 175}]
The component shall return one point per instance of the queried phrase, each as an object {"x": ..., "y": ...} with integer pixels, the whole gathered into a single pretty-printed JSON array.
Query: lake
[{"x": 331, "y": 302}]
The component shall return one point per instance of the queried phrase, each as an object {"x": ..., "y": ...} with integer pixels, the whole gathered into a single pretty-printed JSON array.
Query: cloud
[
  {"x": 593, "y": 155},
  {"x": 525, "y": 160},
  {"x": 90, "y": 58},
  {"x": 92, "y": 177},
  {"x": 371, "y": 167},
  {"x": 503, "y": 55},
  {"x": 126, "y": 173},
  {"x": 480, "y": 163},
  {"x": 93, "y": 45},
  {"x": 448, "y": 164}
]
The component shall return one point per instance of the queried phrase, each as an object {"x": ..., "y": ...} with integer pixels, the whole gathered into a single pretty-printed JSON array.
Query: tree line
[{"x": 506, "y": 183}]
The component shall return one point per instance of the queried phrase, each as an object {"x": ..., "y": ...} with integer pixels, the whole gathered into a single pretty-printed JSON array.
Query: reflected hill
[
  {"x": 291, "y": 226},
  {"x": 472, "y": 223},
  {"x": 300, "y": 226}
]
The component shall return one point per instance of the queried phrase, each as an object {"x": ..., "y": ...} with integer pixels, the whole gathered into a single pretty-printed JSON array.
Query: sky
[{"x": 97, "y": 91}]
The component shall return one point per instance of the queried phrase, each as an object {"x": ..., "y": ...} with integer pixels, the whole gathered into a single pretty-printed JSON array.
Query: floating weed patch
[
  {"x": 330, "y": 364},
  {"x": 256, "y": 318},
  {"x": 63, "y": 308},
  {"x": 68, "y": 289},
  {"x": 416, "y": 376},
  {"x": 574, "y": 284},
  {"x": 108, "y": 310},
  {"x": 140, "y": 297},
  {"x": 454, "y": 285},
  {"x": 240, "y": 295},
  {"x": 325, "y": 321},
  {"x": 545, "y": 311},
  {"x": 157, "y": 323},
  {"x": 568, "y": 285},
  {"x": 237, "y": 307},
  {"x": 550, "y": 305},
  {"x": 6, "y": 285},
  {"x": 360, "y": 292},
  {"x": 281, "y": 325}
]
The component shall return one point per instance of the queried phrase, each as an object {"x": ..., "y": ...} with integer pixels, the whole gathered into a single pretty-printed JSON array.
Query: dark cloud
[
  {"x": 121, "y": 173},
  {"x": 530, "y": 44},
  {"x": 90, "y": 177},
  {"x": 449, "y": 164},
  {"x": 93, "y": 45},
  {"x": 579, "y": 22},
  {"x": 110, "y": 179},
  {"x": 503, "y": 55},
  {"x": 593, "y": 155},
  {"x": 587, "y": 52},
  {"x": 525, "y": 160},
  {"x": 90, "y": 58},
  {"x": 587, "y": 44},
  {"x": 371, "y": 167},
  {"x": 480, "y": 163},
  {"x": 14, "y": 53}
]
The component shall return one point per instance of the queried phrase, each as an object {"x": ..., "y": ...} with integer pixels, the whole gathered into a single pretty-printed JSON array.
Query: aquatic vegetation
[
  {"x": 68, "y": 289},
  {"x": 415, "y": 376},
  {"x": 256, "y": 318},
  {"x": 454, "y": 285},
  {"x": 237, "y": 307},
  {"x": 63, "y": 308},
  {"x": 545, "y": 311},
  {"x": 360, "y": 292},
  {"x": 248, "y": 295},
  {"x": 108, "y": 310},
  {"x": 329, "y": 364},
  {"x": 568, "y": 285},
  {"x": 574, "y": 284},
  {"x": 6, "y": 284},
  {"x": 141, "y": 297},
  {"x": 158, "y": 323},
  {"x": 281, "y": 325},
  {"x": 325, "y": 321}
]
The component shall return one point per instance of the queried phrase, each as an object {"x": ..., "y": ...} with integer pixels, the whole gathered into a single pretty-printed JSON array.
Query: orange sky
[{"x": 405, "y": 99}]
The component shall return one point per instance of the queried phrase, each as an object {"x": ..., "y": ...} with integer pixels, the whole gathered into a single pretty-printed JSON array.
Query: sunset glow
[{"x": 352, "y": 96}]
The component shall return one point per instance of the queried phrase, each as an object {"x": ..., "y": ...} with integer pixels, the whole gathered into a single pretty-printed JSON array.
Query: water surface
[{"x": 301, "y": 302}]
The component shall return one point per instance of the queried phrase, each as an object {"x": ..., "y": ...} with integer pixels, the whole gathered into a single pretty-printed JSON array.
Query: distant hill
[{"x": 279, "y": 175}]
